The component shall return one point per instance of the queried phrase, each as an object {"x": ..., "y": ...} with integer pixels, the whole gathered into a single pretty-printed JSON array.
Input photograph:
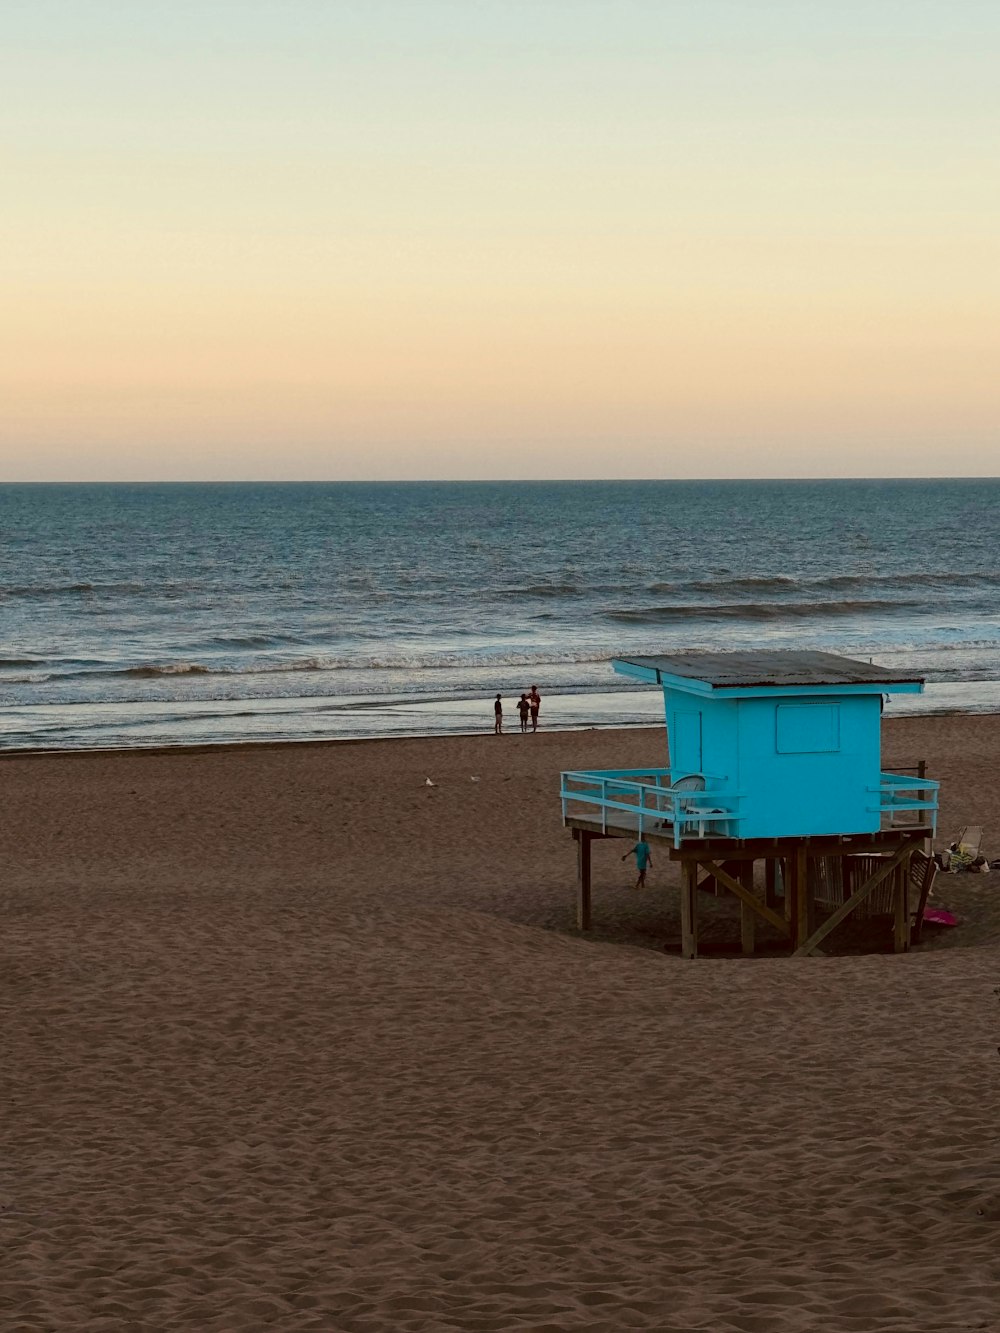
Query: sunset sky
[{"x": 499, "y": 238}]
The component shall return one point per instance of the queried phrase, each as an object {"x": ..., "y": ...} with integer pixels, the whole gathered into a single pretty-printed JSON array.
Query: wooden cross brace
[
  {"x": 855, "y": 900},
  {"x": 745, "y": 896}
]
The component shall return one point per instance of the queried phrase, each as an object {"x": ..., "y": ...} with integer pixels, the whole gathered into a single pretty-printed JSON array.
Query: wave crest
[
  {"x": 167, "y": 669},
  {"x": 663, "y": 615}
]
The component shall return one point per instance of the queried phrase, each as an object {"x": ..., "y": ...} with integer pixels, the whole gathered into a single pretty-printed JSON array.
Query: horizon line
[{"x": 476, "y": 481}]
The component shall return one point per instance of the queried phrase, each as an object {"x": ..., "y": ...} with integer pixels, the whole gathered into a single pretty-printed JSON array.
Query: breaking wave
[
  {"x": 664, "y": 615},
  {"x": 544, "y": 590},
  {"x": 30, "y": 591},
  {"x": 168, "y": 669},
  {"x": 784, "y": 583}
]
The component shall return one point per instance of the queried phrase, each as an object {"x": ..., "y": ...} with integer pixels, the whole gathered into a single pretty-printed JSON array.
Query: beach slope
[{"x": 287, "y": 1046}]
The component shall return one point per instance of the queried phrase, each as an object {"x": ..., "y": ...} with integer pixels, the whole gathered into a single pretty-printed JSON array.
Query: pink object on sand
[{"x": 939, "y": 916}]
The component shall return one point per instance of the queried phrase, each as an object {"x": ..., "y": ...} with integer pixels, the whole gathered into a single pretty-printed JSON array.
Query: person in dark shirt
[
  {"x": 535, "y": 702},
  {"x": 498, "y": 715},
  {"x": 524, "y": 708}
]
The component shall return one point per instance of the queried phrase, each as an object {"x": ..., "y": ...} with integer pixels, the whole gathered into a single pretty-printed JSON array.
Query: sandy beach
[{"x": 293, "y": 1041}]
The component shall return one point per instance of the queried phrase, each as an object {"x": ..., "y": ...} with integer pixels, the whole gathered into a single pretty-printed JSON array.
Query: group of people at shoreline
[{"x": 527, "y": 709}]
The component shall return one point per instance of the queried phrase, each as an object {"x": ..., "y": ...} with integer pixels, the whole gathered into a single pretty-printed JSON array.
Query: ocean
[{"x": 139, "y": 615}]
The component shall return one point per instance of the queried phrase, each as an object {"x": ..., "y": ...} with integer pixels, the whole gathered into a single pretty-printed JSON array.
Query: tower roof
[{"x": 766, "y": 670}]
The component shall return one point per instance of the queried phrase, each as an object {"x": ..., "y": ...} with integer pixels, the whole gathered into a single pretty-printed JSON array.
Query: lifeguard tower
[{"x": 776, "y": 757}]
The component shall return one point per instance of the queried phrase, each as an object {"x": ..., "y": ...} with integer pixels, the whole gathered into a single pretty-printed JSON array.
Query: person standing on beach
[
  {"x": 535, "y": 701},
  {"x": 498, "y": 716},
  {"x": 524, "y": 708},
  {"x": 643, "y": 859}
]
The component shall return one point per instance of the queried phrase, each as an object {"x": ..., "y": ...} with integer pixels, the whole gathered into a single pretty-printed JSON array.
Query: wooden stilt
[
  {"x": 800, "y": 896},
  {"x": 901, "y": 933},
  {"x": 689, "y": 909},
  {"x": 583, "y": 841},
  {"x": 788, "y": 865},
  {"x": 747, "y": 914},
  {"x": 771, "y": 883},
  {"x": 923, "y": 888}
]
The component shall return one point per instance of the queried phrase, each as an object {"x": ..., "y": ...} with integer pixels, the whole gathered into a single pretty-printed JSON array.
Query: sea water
[{"x": 202, "y": 613}]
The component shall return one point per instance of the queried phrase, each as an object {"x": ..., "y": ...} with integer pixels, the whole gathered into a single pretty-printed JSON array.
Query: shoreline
[
  {"x": 191, "y": 723},
  {"x": 306, "y": 742}
]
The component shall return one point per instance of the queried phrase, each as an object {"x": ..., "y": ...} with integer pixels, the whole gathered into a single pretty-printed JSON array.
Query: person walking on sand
[
  {"x": 524, "y": 708},
  {"x": 498, "y": 716},
  {"x": 535, "y": 700},
  {"x": 643, "y": 859}
]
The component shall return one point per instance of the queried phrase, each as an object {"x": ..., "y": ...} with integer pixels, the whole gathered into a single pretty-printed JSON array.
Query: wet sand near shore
[{"x": 294, "y": 1041}]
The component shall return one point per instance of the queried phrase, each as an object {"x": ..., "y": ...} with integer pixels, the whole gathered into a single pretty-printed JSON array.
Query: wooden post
[
  {"x": 901, "y": 933},
  {"x": 928, "y": 843},
  {"x": 797, "y": 891},
  {"x": 747, "y": 915},
  {"x": 771, "y": 883},
  {"x": 926, "y": 883},
  {"x": 689, "y": 909},
  {"x": 583, "y": 841}
]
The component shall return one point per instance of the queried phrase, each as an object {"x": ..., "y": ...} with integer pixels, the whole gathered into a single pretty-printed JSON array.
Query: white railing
[
  {"x": 893, "y": 799},
  {"x": 651, "y": 803}
]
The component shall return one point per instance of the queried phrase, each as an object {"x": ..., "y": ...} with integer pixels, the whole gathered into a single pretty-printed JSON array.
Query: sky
[{"x": 325, "y": 239}]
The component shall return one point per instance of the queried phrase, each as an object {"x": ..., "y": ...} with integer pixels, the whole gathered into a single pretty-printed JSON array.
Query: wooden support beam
[
  {"x": 689, "y": 909},
  {"x": 855, "y": 900},
  {"x": 788, "y": 905},
  {"x": 771, "y": 882},
  {"x": 711, "y": 885},
  {"x": 800, "y": 894},
  {"x": 707, "y": 884},
  {"x": 901, "y": 931},
  {"x": 756, "y": 849},
  {"x": 583, "y": 878},
  {"x": 745, "y": 896},
  {"x": 923, "y": 887},
  {"x": 733, "y": 868},
  {"x": 747, "y": 917}
]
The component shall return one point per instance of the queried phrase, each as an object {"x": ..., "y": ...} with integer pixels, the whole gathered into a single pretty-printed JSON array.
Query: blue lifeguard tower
[{"x": 773, "y": 756}]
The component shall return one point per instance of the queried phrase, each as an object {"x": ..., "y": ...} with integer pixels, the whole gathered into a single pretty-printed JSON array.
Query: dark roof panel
[{"x": 775, "y": 669}]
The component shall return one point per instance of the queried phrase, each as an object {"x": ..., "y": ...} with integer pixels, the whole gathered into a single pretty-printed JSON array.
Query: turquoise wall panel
[
  {"x": 806, "y": 769},
  {"x": 801, "y": 766}
]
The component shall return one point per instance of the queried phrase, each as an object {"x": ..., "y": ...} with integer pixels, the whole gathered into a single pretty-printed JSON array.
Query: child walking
[{"x": 643, "y": 859}]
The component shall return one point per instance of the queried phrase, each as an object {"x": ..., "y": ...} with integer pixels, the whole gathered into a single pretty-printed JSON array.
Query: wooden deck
[{"x": 742, "y": 849}]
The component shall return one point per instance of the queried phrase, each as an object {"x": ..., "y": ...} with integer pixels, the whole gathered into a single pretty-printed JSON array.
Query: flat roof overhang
[{"x": 750, "y": 674}]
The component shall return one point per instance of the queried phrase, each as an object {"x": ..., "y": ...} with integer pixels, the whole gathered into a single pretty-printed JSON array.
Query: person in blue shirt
[{"x": 643, "y": 859}]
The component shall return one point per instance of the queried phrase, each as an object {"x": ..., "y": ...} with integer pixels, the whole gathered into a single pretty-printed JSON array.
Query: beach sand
[{"x": 293, "y": 1041}]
